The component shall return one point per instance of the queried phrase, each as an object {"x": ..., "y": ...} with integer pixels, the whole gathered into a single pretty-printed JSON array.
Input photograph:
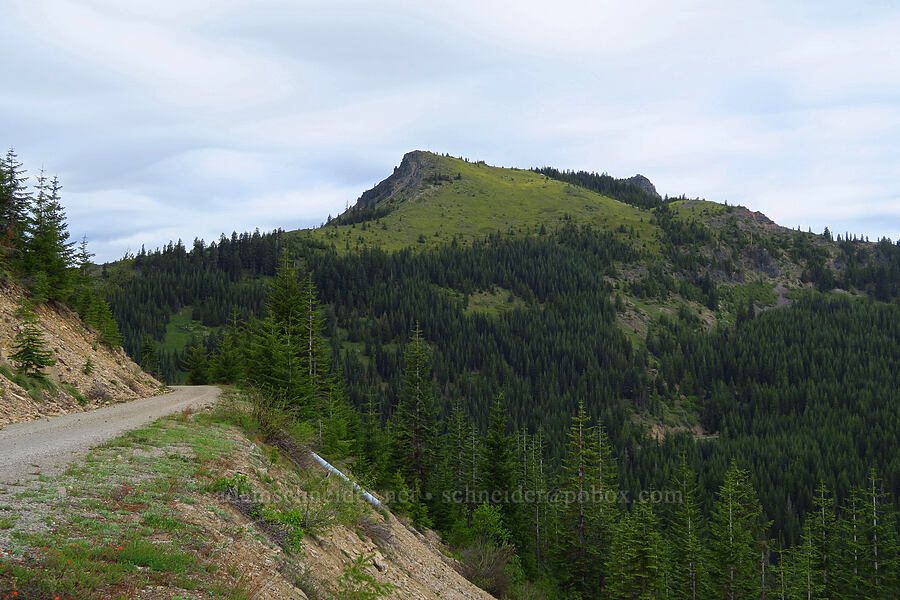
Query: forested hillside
[
  {"x": 51, "y": 359},
  {"x": 563, "y": 341}
]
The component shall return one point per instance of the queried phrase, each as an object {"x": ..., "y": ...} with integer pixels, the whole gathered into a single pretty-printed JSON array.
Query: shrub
[
  {"x": 356, "y": 583},
  {"x": 236, "y": 485},
  {"x": 73, "y": 391},
  {"x": 485, "y": 565}
]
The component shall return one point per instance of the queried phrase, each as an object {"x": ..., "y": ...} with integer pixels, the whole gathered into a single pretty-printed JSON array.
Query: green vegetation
[
  {"x": 474, "y": 200},
  {"x": 632, "y": 358},
  {"x": 355, "y": 583},
  {"x": 115, "y": 525},
  {"x": 36, "y": 252},
  {"x": 31, "y": 353},
  {"x": 36, "y": 386},
  {"x": 182, "y": 330}
]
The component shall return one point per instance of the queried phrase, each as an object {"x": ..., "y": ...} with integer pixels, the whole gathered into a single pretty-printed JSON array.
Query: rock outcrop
[{"x": 643, "y": 183}]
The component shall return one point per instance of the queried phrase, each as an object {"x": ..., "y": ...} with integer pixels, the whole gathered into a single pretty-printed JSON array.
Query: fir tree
[
  {"x": 498, "y": 472},
  {"x": 536, "y": 485},
  {"x": 879, "y": 564},
  {"x": 851, "y": 582},
  {"x": 415, "y": 428},
  {"x": 371, "y": 443},
  {"x": 823, "y": 535},
  {"x": 148, "y": 359},
  {"x": 47, "y": 246},
  {"x": 227, "y": 366},
  {"x": 735, "y": 528},
  {"x": 31, "y": 353},
  {"x": 15, "y": 201},
  {"x": 589, "y": 515},
  {"x": 320, "y": 385},
  {"x": 455, "y": 467},
  {"x": 197, "y": 365},
  {"x": 277, "y": 345},
  {"x": 688, "y": 569},
  {"x": 635, "y": 564}
]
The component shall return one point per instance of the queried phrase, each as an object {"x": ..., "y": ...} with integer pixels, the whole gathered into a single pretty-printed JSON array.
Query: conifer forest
[{"x": 629, "y": 409}]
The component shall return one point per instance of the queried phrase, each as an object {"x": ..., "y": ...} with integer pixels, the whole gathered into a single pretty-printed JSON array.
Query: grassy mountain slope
[
  {"x": 431, "y": 200},
  {"x": 449, "y": 197}
]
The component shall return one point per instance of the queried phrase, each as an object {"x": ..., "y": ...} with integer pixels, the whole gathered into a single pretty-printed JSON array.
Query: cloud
[{"x": 184, "y": 119}]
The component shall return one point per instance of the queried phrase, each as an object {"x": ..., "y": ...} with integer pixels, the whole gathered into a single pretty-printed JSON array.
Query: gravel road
[{"x": 47, "y": 446}]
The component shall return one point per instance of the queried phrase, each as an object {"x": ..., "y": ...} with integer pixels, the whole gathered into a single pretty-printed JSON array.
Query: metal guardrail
[{"x": 369, "y": 497}]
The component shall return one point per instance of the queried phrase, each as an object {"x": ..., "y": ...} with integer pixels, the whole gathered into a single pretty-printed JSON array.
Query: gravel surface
[{"x": 47, "y": 446}]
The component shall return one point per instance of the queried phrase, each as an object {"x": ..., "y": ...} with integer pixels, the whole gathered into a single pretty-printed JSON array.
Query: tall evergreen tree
[
  {"x": 196, "y": 363},
  {"x": 275, "y": 357},
  {"x": 635, "y": 563},
  {"x": 498, "y": 473},
  {"x": 227, "y": 365},
  {"x": 538, "y": 502},
  {"x": 801, "y": 568},
  {"x": 735, "y": 528},
  {"x": 879, "y": 564},
  {"x": 47, "y": 245},
  {"x": 325, "y": 396},
  {"x": 686, "y": 537},
  {"x": 15, "y": 201},
  {"x": 149, "y": 360},
  {"x": 850, "y": 580},
  {"x": 591, "y": 511},
  {"x": 456, "y": 465},
  {"x": 372, "y": 444},
  {"x": 823, "y": 533},
  {"x": 415, "y": 427}
]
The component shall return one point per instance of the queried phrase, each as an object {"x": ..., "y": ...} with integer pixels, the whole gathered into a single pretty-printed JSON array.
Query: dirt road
[{"x": 46, "y": 446}]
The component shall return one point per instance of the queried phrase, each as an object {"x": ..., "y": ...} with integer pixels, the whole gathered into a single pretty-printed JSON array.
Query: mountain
[
  {"x": 687, "y": 327},
  {"x": 430, "y": 199}
]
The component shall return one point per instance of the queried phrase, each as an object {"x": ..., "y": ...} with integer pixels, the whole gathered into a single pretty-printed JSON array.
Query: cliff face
[
  {"x": 110, "y": 377},
  {"x": 643, "y": 183},
  {"x": 405, "y": 179}
]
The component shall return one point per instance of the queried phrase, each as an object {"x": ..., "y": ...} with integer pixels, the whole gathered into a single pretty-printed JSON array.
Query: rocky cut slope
[
  {"x": 196, "y": 506},
  {"x": 86, "y": 373}
]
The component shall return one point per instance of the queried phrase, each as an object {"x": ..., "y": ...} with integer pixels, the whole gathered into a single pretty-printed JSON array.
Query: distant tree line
[{"x": 618, "y": 189}]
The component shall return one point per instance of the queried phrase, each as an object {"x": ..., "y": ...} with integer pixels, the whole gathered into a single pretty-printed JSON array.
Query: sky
[{"x": 189, "y": 118}]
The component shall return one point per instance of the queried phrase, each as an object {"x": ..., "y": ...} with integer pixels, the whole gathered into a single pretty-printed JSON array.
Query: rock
[
  {"x": 643, "y": 183},
  {"x": 379, "y": 564},
  {"x": 98, "y": 391}
]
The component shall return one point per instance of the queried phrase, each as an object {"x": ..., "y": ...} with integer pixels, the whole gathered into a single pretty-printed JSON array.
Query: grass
[
  {"x": 492, "y": 302},
  {"x": 115, "y": 531},
  {"x": 36, "y": 386},
  {"x": 757, "y": 293},
  {"x": 698, "y": 209},
  {"x": 73, "y": 391},
  {"x": 181, "y": 329},
  {"x": 479, "y": 200},
  {"x": 116, "y": 523}
]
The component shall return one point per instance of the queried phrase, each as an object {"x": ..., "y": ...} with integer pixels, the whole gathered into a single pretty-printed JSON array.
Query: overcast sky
[{"x": 184, "y": 118}]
